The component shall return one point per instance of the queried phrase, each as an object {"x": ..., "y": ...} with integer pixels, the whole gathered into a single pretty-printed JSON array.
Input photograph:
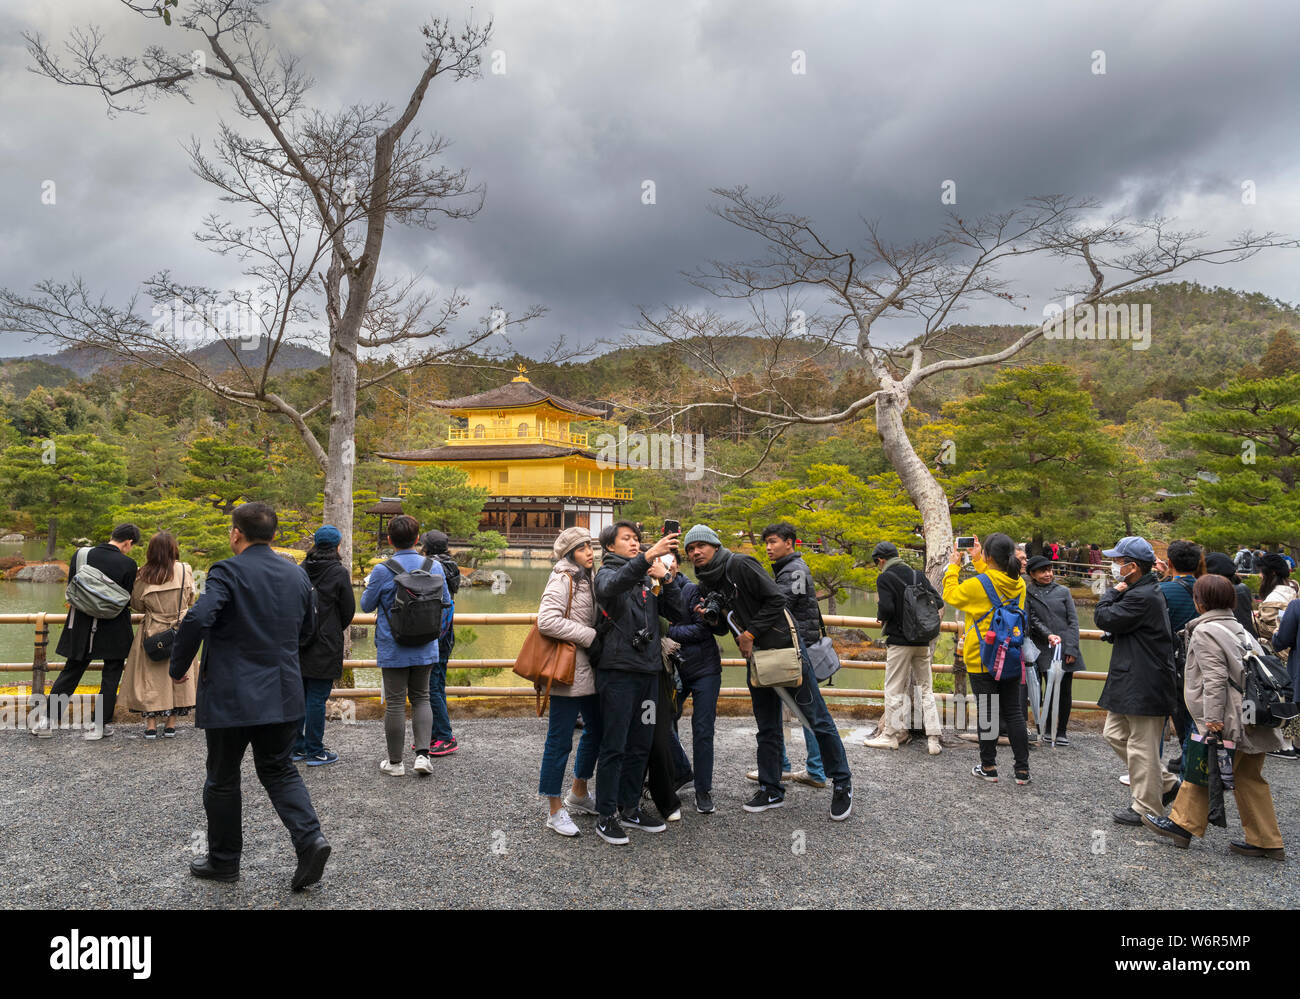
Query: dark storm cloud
[{"x": 597, "y": 98}]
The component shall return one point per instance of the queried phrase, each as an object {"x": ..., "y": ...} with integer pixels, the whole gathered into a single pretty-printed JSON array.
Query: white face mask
[{"x": 1116, "y": 571}]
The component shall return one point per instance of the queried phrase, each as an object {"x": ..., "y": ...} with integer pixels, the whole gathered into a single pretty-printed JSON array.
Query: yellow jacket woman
[{"x": 970, "y": 598}]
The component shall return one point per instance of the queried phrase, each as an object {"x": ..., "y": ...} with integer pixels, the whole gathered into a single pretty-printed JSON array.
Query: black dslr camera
[
  {"x": 641, "y": 639},
  {"x": 715, "y": 609}
]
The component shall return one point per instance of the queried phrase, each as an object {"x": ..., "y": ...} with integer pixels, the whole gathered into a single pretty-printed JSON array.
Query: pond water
[{"x": 476, "y": 641}]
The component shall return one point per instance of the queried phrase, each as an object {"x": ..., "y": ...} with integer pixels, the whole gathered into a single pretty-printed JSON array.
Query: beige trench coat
[
  {"x": 1213, "y": 658},
  {"x": 146, "y": 685},
  {"x": 578, "y": 628}
]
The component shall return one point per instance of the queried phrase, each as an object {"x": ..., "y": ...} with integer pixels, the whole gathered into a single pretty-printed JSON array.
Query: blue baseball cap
[
  {"x": 327, "y": 536},
  {"x": 1132, "y": 547}
]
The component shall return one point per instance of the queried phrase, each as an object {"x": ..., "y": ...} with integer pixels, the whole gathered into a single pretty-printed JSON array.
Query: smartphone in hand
[{"x": 672, "y": 527}]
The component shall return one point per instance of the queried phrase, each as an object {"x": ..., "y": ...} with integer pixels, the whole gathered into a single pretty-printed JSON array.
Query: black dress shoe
[
  {"x": 1246, "y": 850},
  {"x": 1168, "y": 797},
  {"x": 1168, "y": 828},
  {"x": 1127, "y": 817},
  {"x": 202, "y": 868},
  {"x": 311, "y": 864}
]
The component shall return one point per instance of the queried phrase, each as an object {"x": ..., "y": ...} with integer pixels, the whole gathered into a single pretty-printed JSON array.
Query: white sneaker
[
  {"x": 932, "y": 744},
  {"x": 583, "y": 806},
  {"x": 95, "y": 734},
  {"x": 42, "y": 730},
  {"x": 423, "y": 765},
  {"x": 562, "y": 824},
  {"x": 676, "y": 816},
  {"x": 391, "y": 768},
  {"x": 1124, "y": 779},
  {"x": 881, "y": 742}
]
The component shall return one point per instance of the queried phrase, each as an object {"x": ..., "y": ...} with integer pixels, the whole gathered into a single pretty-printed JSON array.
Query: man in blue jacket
[
  {"x": 256, "y": 611},
  {"x": 406, "y": 669}
]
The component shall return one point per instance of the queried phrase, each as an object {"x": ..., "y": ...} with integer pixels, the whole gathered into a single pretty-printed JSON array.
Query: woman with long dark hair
[
  {"x": 996, "y": 563},
  {"x": 163, "y": 591}
]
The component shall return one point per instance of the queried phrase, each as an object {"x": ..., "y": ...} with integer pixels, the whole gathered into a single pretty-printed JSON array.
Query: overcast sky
[{"x": 598, "y": 97}]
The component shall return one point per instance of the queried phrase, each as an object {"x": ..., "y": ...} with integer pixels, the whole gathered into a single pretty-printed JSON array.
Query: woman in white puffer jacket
[{"x": 568, "y": 613}]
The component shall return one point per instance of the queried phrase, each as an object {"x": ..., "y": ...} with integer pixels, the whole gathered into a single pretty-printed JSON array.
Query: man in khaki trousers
[
  {"x": 908, "y": 658},
  {"x": 1141, "y": 685}
]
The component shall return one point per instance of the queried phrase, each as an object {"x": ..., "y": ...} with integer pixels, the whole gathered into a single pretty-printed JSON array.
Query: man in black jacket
[
  {"x": 794, "y": 580},
  {"x": 908, "y": 662},
  {"x": 627, "y": 673},
  {"x": 760, "y": 612},
  {"x": 321, "y": 658},
  {"x": 444, "y": 741},
  {"x": 1140, "y": 688},
  {"x": 86, "y": 638},
  {"x": 255, "y": 613},
  {"x": 701, "y": 674}
]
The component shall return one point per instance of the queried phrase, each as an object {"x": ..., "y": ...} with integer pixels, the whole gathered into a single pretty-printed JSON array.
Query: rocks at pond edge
[
  {"x": 48, "y": 572},
  {"x": 12, "y": 539}
]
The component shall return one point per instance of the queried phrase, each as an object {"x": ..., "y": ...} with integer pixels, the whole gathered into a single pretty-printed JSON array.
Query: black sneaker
[
  {"x": 637, "y": 819},
  {"x": 763, "y": 800},
  {"x": 704, "y": 802},
  {"x": 1291, "y": 755},
  {"x": 1168, "y": 797},
  {"x": 608, "y": 829},
  {"x": 990, "y": 775},
  {"x": 1022, "y": 776},
  {"x": 1127, "y": 817},
  {"x": 841, "y": 803}
]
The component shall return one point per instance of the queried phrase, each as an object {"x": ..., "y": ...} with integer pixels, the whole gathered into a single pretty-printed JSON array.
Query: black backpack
[
  {"x": 416, "y": 617},
  {"x": 1266, "y": 695},
  {"x": 450, "y": 569},
  {"x": 920, "y": 612}
]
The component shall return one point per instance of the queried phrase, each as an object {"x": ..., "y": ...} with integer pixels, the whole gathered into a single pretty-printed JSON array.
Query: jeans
[
  {"x": 312, "y": 735},
  {"x": 704, "y": 694},
  {"x": 1002, "y": 697},
  {"x": 814, "y": 762},
  {"x": 767, "y": 713},
  {"x": 438, "y": 701},
  {"x": 401, "y": 682},
  {"x": 564, "y": 712},
  {"x": 222, "y": 800},
  {"x": 628, "y": 704},
  {"x": 109, "y": 680}
]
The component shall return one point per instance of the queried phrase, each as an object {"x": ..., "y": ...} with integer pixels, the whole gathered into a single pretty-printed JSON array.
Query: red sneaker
[{"x": 441, "y": 748}]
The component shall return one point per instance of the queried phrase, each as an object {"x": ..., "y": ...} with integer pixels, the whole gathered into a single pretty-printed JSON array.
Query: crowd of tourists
[{"x": 635, "y": 638}]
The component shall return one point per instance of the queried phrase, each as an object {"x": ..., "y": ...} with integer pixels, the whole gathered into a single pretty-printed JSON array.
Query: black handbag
[{"x": 158, "y": 647}]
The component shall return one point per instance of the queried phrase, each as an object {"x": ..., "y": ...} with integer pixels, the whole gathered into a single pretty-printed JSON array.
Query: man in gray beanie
[{"x": 759, "y": 611}]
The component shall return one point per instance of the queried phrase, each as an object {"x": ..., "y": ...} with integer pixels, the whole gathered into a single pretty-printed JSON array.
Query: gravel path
[{"x": 112, "y": 825}]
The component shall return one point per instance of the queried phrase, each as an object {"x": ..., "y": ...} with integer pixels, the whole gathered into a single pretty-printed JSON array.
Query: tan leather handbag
[
  {"x": 777, "y": 667},
  {"x": 545, "y": 660}
]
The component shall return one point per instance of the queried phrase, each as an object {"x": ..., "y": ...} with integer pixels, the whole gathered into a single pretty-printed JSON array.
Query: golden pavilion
[{"x": 517, "y": 442}]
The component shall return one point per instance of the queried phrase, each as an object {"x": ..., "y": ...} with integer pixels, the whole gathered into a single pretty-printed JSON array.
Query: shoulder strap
[
  {"x": 393, "y": 566},
  {"x": 569, "y": 603},
  {"x": 426, "y": 565},
  {"x": 79, "y": 559},
  {"x": 994, "y": 600}
]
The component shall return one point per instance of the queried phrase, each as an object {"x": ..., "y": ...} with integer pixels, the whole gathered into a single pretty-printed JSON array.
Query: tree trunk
[
  {"x": 50, "y": 538},
  {"x": 921, "y": 485}
]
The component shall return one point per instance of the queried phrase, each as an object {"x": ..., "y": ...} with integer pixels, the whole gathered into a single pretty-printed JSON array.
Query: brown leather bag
[{"x": 547, "y": 660}]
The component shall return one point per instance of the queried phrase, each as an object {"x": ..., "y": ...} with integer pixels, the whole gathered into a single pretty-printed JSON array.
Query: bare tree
[
  {"x": 927, "y": 282},
  {"x": 319, "y": 188}
]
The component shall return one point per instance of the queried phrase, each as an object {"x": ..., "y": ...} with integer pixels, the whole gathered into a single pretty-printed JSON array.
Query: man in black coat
[
  {"x": 760, "y": 614},
  {"x": 256, "y": 610},
  {"x": 1141, "y": 688},
  {"x": 627, "y": 673},
  {"x": 701, "y": 673},
  {"x": 321, "y": 658},
  {"x": 86, "y": 638}
]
